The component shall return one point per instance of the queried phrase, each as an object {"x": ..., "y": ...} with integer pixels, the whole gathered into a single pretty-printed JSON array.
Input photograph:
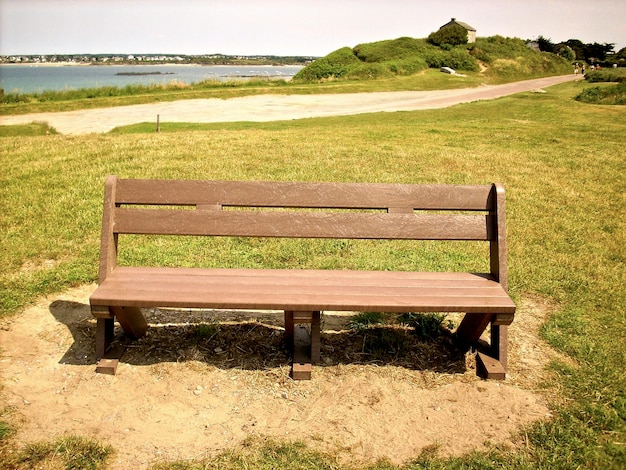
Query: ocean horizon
[{"x": 39, "y": 78}]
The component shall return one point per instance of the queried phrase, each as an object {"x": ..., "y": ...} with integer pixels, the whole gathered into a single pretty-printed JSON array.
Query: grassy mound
[{"x": 503, "y": 57}]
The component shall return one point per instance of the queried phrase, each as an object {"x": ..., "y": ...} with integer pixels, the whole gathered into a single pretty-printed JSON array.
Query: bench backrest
[{"x": 304, "y": 210}]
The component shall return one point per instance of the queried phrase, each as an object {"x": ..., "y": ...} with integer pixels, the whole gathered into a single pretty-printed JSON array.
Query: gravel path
[{"x": 271, "y": 107}]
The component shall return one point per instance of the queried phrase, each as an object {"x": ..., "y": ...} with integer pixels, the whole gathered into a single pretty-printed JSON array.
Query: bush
[
  {"x": 452, "y": 35},
  {"x": 607, "y": 95},
  {"x": 499, "y": 47},
  {"x": 457, "y": 58},
  {"x": 406, "y": 67},
  {"x": 615, "y": 75},
  {"x": 395, "y": 49},
  {"x": 334, "y": 65},
  {"x": 369, "y": 71}
]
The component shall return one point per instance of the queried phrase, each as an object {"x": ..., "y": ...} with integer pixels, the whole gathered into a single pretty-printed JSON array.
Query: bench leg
[
  {"x": 131, "y": 320},
  {"x": 499, "y": 343},
  {"x": 134, "y": 325},
  {"x": 492, "y": 363},
  {"x": 104, "y": 336},
  {"x": 471, "y": 327},
  {"x": 305, "y": 348}
]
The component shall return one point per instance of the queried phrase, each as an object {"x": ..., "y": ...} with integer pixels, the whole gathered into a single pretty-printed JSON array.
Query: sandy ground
[
  {"x": 271, "y": 107},
  {"x": 180, "y": 395}
]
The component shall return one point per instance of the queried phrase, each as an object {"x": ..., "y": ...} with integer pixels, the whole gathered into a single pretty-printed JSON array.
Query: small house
[{"x": 471, "y": 31}]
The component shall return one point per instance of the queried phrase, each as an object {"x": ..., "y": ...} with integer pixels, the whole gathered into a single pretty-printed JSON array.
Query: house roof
[{"x": 460, "y": 23}]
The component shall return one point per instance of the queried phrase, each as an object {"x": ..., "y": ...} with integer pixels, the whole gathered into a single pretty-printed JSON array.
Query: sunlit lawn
[{"x": 561, "y": 162}]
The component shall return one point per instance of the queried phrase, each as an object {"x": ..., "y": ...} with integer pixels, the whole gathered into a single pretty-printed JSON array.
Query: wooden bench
[{"x": 331, "y": 210}]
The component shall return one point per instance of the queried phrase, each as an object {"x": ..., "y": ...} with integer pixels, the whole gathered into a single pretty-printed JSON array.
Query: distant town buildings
[{"x": 94, "y": 59}]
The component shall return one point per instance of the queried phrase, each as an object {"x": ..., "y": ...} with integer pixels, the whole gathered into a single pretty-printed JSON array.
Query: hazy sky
[{"x": 286, "y": 27}]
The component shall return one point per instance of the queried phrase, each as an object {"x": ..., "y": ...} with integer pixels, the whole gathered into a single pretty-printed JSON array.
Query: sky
[{"x": 286, "y": 27}]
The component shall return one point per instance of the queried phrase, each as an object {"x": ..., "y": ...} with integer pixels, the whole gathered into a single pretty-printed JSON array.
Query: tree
[
  {"x": 598, "y": 51},
  {"x": 545, "y": 44},
  {"x": 449, "y": 35},
  {"x": 563, "y": 50},
  {"x": 590, "y": 52}
]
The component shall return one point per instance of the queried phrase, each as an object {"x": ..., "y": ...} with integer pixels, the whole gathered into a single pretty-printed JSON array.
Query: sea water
[{"x": 39, "y": 78}]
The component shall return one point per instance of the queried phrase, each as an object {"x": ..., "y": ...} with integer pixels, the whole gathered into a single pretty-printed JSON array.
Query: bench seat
[{"x": 302, "y": 290}]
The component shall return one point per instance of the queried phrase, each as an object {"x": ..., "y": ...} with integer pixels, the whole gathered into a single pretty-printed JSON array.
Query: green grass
[
  {"x": 33, "y": 129},
  {"x": 505, "y": 58},
  {"x": 607, "y": 94},
  {"x": 561, "y": 161},
  {"x": 70, "y": 453}
]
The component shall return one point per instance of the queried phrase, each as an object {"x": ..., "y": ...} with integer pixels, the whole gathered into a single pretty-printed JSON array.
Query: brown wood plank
[
  {"x": 105, "y": 328},
  {"x": 109, "y": 362},
  {"x": 133, "y": 296},
  {"x": 252, "y": 286},
  {"x": 454, "y": 278},
  {"x": 168, "y": 279},
  {"x": 221, "y": 278},
  {"x": 498, "y": 248},
  {"x": 489, "y": 368},
  {"x": 302, "y": 224},
  {"x": 108, "y": 239},
  {"x": 472, "y": 326},
  {"x": 131, "y": 320},
  {"x": 287, "y": 194},
  {"x": 499, "y": 343}
]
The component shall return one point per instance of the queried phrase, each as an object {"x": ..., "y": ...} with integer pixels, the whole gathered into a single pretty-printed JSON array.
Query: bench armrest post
[
  {"x": 109, "y": 239},
  {"x": 497, "y": 248}
]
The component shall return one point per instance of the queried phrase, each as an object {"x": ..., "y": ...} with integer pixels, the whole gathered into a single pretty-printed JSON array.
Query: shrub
[
  {"x": 335, "y": 65},
  {"x": 608, "y": 95},
  {"x": 407, "y": 66},
  {"x": 566, "y": 52},
  {"x": 390, "y": 50},
  {"x": 369, "y": 71},
  {"x": 499, "y": 47},
  {"x": 452, "y": 35},
  {"x": 457, "y": 58},
  {"x": 616, "y": 75}
]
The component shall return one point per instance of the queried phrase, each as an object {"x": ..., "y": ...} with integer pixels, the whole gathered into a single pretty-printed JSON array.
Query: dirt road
[{"x": 261, "y": 108}]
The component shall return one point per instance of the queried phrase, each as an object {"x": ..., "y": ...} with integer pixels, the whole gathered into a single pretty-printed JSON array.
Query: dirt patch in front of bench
[{"x": 199, "y": 383}]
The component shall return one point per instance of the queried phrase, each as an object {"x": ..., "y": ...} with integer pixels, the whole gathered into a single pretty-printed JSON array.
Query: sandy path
[{"x": 272, "y": 107}]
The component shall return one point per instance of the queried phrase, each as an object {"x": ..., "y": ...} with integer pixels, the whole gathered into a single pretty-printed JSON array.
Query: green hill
[{"x": 495, "y": 56}]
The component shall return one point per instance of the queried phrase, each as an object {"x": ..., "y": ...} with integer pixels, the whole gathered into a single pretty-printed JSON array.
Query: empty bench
[{"x": 305, "y": 210}]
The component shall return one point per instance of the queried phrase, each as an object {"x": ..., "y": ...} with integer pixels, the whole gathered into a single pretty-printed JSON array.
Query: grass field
[{"x": 562, "y": 163}]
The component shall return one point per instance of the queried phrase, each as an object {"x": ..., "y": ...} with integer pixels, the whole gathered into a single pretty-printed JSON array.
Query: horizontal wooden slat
[
  {"x": 297, "y": 276},
  {"x": 302, "y": 224},
  {"x": 182, "y": 287},
  {"x": 320, "y": 195},
  {"x": 270, "y": 289}
]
